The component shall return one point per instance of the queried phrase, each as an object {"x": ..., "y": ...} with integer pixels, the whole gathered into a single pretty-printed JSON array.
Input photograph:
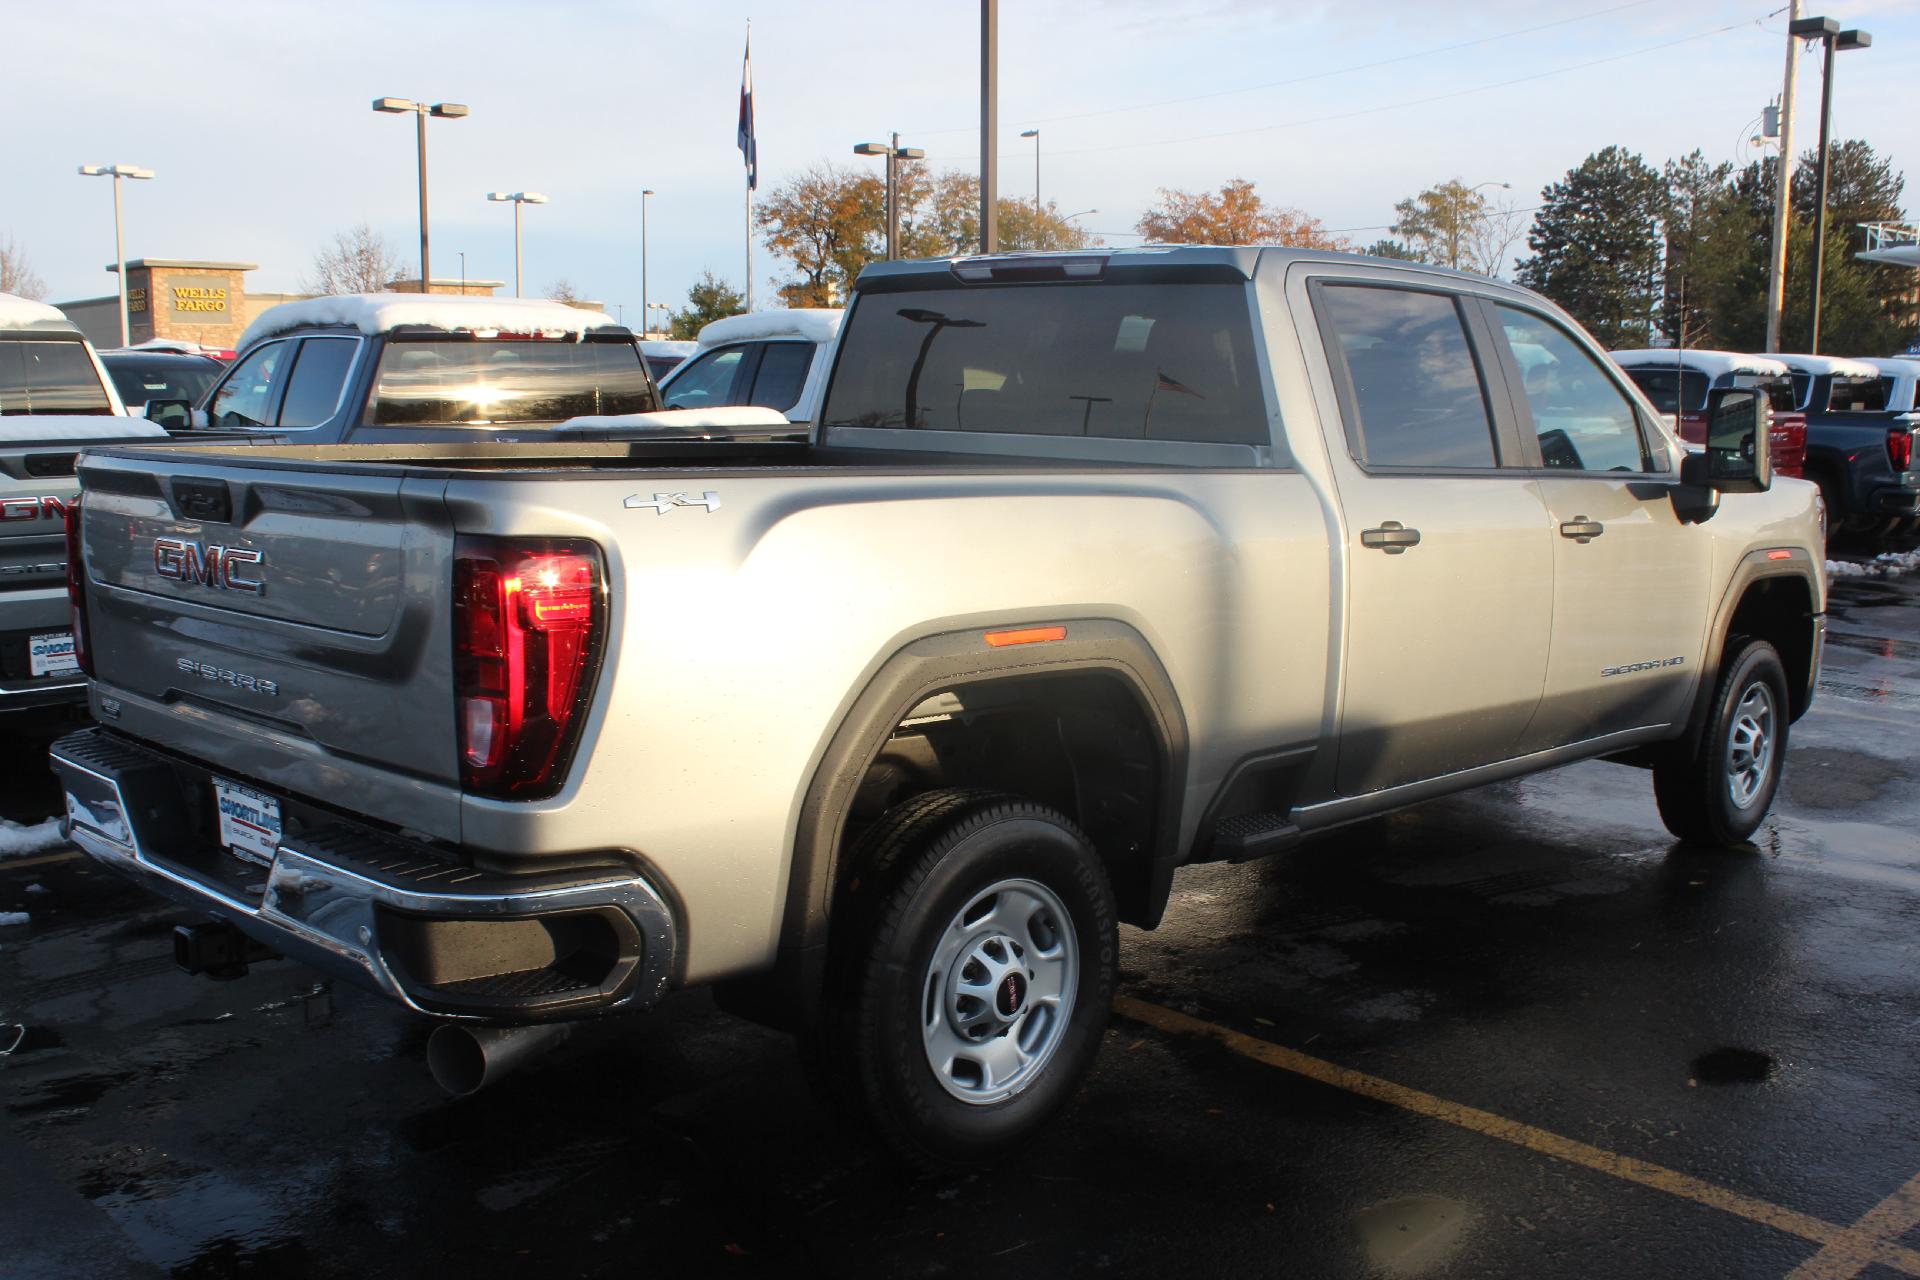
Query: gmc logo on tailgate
[
  {"x": 48, "y": 508},
  {"x": 210, "y": 566}
]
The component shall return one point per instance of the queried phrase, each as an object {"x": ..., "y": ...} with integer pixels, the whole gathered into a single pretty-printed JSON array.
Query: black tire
[
  {"x": 1696, "y": 791},
  {"x": 913, "y": 873}
]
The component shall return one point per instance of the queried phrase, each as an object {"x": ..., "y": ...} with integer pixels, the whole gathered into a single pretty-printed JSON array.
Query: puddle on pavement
[
  {"x": 1411, "y": 1235},
  {"x": 1732, "y": 1066}
]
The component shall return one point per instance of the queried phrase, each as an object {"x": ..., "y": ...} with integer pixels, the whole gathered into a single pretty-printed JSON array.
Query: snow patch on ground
[
  {"x": 13, "y": 917},
  {"x": 24, "y": 313},
  {"x": 1888, "y": 564},
  {"x": 17, "y": 841},
  {"x": 376, "y": 313}
]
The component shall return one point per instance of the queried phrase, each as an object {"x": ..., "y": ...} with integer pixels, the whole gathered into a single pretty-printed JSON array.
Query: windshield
[
  {"x": 138, "y": 381},
  {"x": 483, "y": 383},
  {"x": 1672, "y": 390},
  {"x": 49, "y": 377},
  {"x": 1119, "y": 361}
]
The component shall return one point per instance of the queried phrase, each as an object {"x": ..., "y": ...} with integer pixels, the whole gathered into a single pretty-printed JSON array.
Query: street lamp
[
  {"x": 1035, "y": 135},
  {"x": 117, "y": 172},
  {"x": 1083, "y": 213},
  {"x": 1828, "y": 32},
  {"x": 516, "y": 198},
  {"x": 894, "y": 153},
  {"x": 446, "y": 111},
  {"x": 645, "y": 312}
]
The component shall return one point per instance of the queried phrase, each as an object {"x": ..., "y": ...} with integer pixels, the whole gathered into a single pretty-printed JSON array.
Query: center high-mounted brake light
[
  {"x": 1028, "y": 267},
  {"x": 77, "y": 589},
  {"x": 1900, "y": 447},
  {"x": 529, "y": 622}
]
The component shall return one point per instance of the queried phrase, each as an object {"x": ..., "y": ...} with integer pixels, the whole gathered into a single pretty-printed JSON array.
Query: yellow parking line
[
  {"x": 1853, "y": 1250},
  {"x": 15, "y": 864},
  {"x": 1868, "y": 1245}
]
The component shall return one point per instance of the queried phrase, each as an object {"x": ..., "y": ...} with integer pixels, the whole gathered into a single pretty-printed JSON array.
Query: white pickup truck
[{"x": 1094, "y": 564}]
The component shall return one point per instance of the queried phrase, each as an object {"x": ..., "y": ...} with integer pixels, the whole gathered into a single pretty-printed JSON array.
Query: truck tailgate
[{"x": 290, "y": 606}]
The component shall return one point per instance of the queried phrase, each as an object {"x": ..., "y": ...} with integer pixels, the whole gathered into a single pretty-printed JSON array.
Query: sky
[{"x": 257, "y": 117}]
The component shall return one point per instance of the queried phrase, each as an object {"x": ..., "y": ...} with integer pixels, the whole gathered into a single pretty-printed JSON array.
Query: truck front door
[
  {"x": 1448, "y": 554},
  {"x": 1630, "y": 581}
]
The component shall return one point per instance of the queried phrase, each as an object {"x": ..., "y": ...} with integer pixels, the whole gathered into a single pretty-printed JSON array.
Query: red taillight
[
  {"x": 1900, "y": 447},
  {"x": 528, "y": 621},
  {"x": 77, "y": 589}
]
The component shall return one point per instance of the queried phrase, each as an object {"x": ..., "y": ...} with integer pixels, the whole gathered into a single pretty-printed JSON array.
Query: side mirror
[
  {"x": 1739, "y": 422},
  {"x": 174, "y": 415}
]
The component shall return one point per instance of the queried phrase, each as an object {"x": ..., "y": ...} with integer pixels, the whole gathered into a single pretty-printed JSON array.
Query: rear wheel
[
  {"x": 972, "y": 968},
  {"x": 1720, "y": 792}
]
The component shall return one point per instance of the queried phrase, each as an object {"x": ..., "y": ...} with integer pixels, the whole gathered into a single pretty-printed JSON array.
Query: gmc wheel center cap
[{"x": 1010, "y": 994}]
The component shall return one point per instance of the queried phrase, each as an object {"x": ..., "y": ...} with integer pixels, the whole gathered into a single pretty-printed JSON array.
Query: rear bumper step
[{"x": 389, "y": 914}]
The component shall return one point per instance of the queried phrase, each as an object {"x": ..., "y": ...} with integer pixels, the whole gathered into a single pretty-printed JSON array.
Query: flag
[
  {"x": 748, "y": 150},
  {"x": 1164, "y": 383}
]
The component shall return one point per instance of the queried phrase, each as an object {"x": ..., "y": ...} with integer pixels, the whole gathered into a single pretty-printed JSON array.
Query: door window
[
  {"x": 313, "y": 392},
  {"x": 783, "y": 372},
  {"x": 1583, "y": 419},
  {"x": 1414, "y": 396},
  {"x": 246, "y": 398},
  {"x": 707, "y": 381}
]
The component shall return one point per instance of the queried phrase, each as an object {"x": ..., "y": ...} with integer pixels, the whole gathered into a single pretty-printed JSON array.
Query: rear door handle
[
  {"x": 1581, "y": 529},
  {"x": 1391, "y": 537}
]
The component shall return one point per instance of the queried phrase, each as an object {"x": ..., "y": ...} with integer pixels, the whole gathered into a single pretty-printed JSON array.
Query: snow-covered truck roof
[
  {"x": 810, "y": 324},
  {"x": 24, "y": 313},
  {"x": 378, "y": 313},
  {"x": 1712, "y": 363},
  {"x": 1837, "y": 366},
  {"x": 91, "y": 428}
]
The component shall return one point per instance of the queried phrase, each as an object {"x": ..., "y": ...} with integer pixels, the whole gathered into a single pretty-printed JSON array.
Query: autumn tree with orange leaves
[{"x": 1233, "y": 215}]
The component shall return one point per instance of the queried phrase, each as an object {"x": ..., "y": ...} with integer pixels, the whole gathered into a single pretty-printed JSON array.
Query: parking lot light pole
[
  {"x": 117, "y": 172},
  {"x": 1035, "y": 135},
  {"x": 421, "y": 110},
  {"x": 644, "y": 310},
  {"x": 1828, "y": 32},
  {"x": 894, "y": 153},
  {"x": 517, "y": 199}
]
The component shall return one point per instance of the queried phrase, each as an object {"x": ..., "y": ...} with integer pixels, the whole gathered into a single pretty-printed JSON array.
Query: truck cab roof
[{"x": 377, "y": 314}]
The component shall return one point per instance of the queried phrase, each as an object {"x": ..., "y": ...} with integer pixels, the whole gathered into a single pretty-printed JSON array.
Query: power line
[
  {"x": 1410, "y": 102},
  {"x": 1318, "y": 75}
]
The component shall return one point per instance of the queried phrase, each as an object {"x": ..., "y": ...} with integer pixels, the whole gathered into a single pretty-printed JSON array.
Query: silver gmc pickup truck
[{"x": 1094, "y": 565}]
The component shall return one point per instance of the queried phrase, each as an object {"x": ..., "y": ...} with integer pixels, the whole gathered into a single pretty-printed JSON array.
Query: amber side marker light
[
  {"x": 1779, "y": 555},
  {"x": 1025, "y": 635}
]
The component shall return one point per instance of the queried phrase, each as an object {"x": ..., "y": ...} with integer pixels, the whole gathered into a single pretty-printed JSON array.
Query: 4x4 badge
[{"x": 665, "y": 502}]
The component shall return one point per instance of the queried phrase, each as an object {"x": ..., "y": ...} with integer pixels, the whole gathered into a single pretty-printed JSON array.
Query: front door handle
[
  {"x": 1391, "y": 537},
  {"x": 1581, "y": 529}
]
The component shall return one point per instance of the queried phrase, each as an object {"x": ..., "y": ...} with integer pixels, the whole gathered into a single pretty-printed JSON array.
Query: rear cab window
[
  {"x": 1103, "y": 360},
  {"x": 434, "y": 382},
  {"x": 39, "y": 375},
  {"x": 1858, "y": 395}
]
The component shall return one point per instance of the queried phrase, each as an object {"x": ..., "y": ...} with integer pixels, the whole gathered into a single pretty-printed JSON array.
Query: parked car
[
  {"x": 1096, "y": 564},
  {"x": 140, "y": 376},
  {"x": 1679, "y": 383},
  {"x": 773, "y": 359},
  {"x": 385, "y": 367},
  {"x": 55, "y": 398},
  {"x": 664, "y": 355},
  {"x": 1859, "y": 451}
]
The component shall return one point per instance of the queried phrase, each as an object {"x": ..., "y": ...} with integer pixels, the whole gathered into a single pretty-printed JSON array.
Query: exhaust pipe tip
[{"x": 466, "y": 1059}]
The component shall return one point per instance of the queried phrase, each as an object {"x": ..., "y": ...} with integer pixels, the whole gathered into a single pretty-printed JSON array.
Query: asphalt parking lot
[{"x": 1518, "y": 1033}]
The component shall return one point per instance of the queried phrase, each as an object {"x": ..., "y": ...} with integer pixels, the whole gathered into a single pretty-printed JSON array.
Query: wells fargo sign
[
  {"x": 198, "y": 298},
  {"x": 136, "y": 300}
]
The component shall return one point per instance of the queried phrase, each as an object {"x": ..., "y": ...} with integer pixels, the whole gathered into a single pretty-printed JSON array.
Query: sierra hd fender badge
[
  {"x": 665, "y": 502},
  {"x": 209, "y": 566},
  {"x": 1658, "y": 664}
]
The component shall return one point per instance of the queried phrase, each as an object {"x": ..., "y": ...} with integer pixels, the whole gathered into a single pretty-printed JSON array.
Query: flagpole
[
  {"x": 749, "y": 151},
  {"x": 749, "y": 248}
]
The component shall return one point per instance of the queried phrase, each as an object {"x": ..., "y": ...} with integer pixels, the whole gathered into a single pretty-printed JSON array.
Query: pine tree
[{"x": 1597, "y": 247}]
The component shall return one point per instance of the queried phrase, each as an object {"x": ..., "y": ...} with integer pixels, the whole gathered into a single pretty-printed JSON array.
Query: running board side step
[{"x": 1252, "y": 835}]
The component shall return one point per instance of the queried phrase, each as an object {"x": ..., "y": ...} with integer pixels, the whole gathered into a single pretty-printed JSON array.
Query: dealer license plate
[
  {"x": 52, "y": 654},
  {"x": 249, "y": 822}
]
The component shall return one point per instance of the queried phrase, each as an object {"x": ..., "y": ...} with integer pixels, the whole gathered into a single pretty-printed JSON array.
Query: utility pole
[
  {"x": 989, "y": 124},
  {"x": 1783, "y": 187}
]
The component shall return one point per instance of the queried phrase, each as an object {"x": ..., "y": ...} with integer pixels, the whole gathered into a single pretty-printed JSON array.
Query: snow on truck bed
[
  {"x": 24, "y": 313},
  {"x": 692, "y": 422},
  {"x": 376, "y": 313},
  {"x": 48, "y": 428}
]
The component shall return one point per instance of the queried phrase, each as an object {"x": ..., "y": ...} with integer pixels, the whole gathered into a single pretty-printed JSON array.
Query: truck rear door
[{"x": 283, "y": 620}]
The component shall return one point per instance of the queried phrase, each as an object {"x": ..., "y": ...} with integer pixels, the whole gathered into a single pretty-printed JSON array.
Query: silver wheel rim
[
  {"x": 1750, "y": 745},
  {"x": 998, "y": 991}
]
